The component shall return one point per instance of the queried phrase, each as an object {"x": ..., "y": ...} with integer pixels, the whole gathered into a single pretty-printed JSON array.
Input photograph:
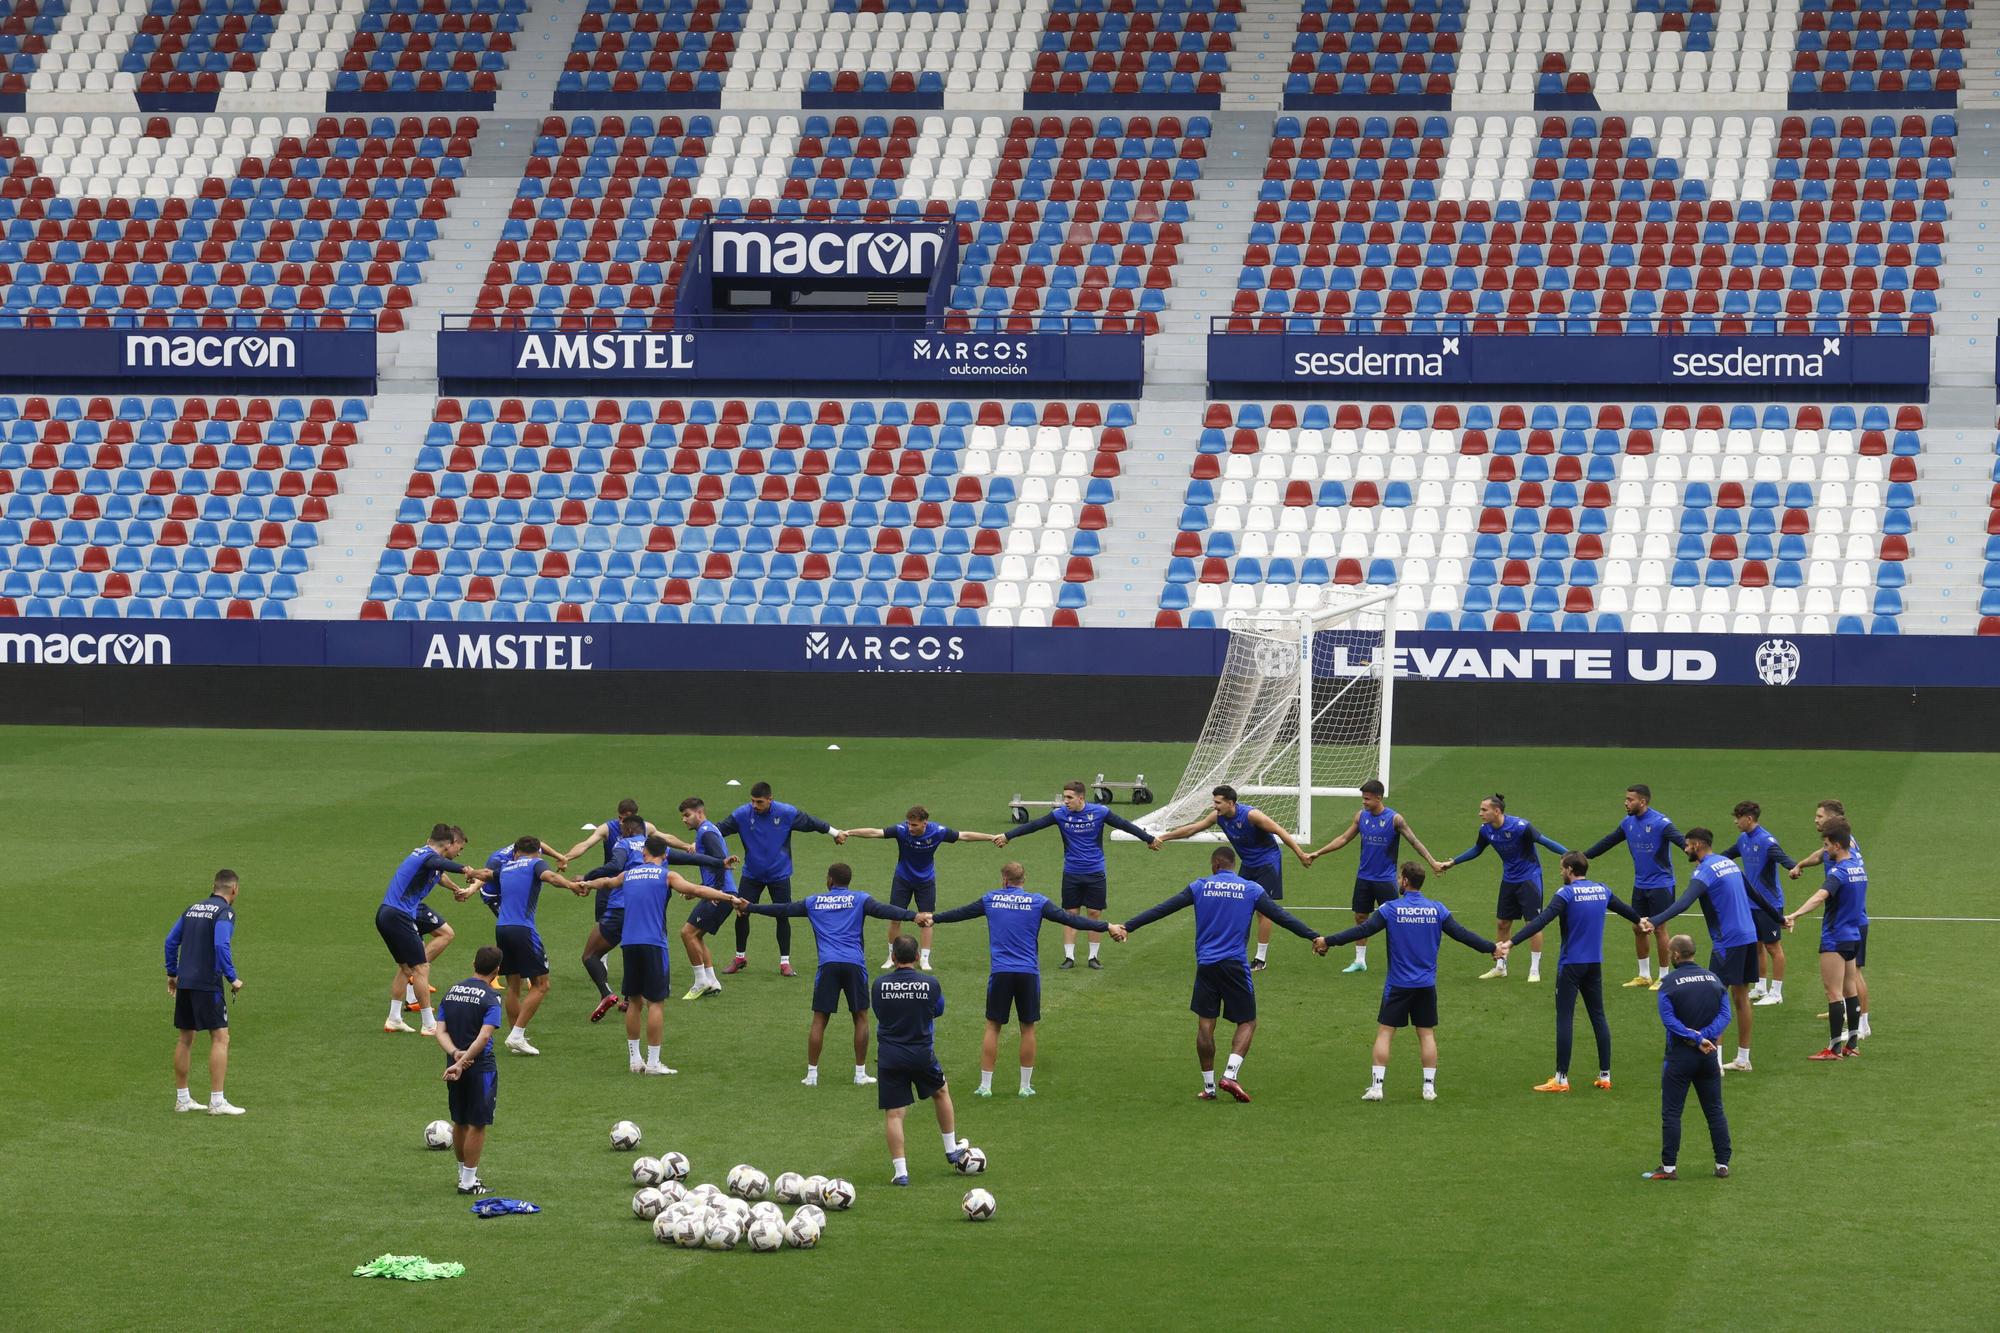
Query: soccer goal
[{"x": 1304, "y": 708}]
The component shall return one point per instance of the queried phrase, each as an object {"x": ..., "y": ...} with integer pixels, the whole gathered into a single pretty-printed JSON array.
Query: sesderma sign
[{"x": 895, "y": 251}]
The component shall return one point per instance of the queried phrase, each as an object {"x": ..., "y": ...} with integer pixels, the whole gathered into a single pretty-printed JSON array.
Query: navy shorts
[
  {"x": 200, "y": 1010},
  {"x": 1770, "y": 929},
  {"x": 753, "y": 889},
  {"x": 1650, "y": 903},
  {"x": 709, "y": 916},
  {"x": 406, "y": 946},
  {"x": 1370, "y": 894},
  {"x": 521, "y": 952},
  {"x": 1848, "y": 949},
  {"x": 492, "y": 904},
  {"x": 901, "y": 1084},
  {"x": 612, "y": 926},
  {"x": 835, "y": 980},
  {"x": 902, "y": 893},
  {"x": 1861, "y": 949},
  {"x": 1082, "y": 893},
  {"x": 428, "y": 921},
  {"x": 1271, "y": 877},
  {"x": 1224, "y": 989},
  {"x": 472, "y": 1095},
  {"x": 1019, "y": 991},
  {"x": 1409, "y": 1006},
  {"x": 646, "y": 975},
  {"x": 1736, "y": 965},
  {"x": 1520, "y": 900}
]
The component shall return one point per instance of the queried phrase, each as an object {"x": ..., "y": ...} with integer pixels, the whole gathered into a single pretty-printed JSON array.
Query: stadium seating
[
  {"x": 1798, "y": 226},
  {"x": 649, "y": 55},
  {"x": 1134, "y": 54},
  {"x": 710, "y": 512},
  {"x": 1056, "y": 219},
  {"x": 1383, "y": 53},
  {"x": 1676, "y": 518},
  {"x": 211, "y": 216},
  {"x": 1879, "y": 53},
  {"x": 427, "y": 54},
  {"x": 194, "y": 509},
  {"x": 1989, "y": 579}
]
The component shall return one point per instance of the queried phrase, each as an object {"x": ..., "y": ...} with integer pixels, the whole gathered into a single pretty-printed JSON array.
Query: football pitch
[{"x": 1861, "y": 1196}]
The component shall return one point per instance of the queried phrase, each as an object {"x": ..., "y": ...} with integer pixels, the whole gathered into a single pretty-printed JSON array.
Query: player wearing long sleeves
[
  {"x": 1843, "y": 934},
  {"x": 1580, "y": 904},
  {"x": 765, "y": 828},
  {"x": 404, "y": 920},
  {"x": 522, "y": 958},
  {"x": 1727, "y": 897},
  {"x": 1259, "y": 841},
  {"x": 1515, "y": 840},
  {"x": 470, "y": 1016},
  {"x": 1824, "y": 814},
  {"x": 1081, "y": 823},
  {"x": 1646, "y": 833},
  {"x": 917, "y": 841},
  {"x": 1223, "y": 903},
  {"x": 1758, "y": 850},
  {"x": 838, "y": 914},
  {"x": 1381, "y": 832},
  {"x": 200, "y": 964},
  {"x": 1416, "y": 926},
  {"x": 1694, "y": 1009},
  {"x": 907, "y": 1004},
  {"x": 627, "y": 849},
  {"x": 1014, "y": 920}
]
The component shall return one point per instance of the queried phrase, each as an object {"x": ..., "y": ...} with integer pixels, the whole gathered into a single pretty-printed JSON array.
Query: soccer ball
[
  {"x": 673, "y": 1165},
  {"x": 813, "y": 1211},
  {"x": 737, "y": 1209},
  {"x": 647, "y": 1171},
  {"x": 767, "y": 1209},
  {"x": 624, "y": 1136},
  {"x": 690, "y": 1230},
  {"x": 705, "y": 1192},
  {"x": 973, "y": 1162},
  {"x": 809, "y": 1189},
  {"x": 789, "y": 1186},
  {"x": 663, "y": 1228},
  {"x": 802, "y": 1231},
  {"x": 765, "y": 1235},
  {"x": 978, "y": 1205},
  {"x": 747, "y": 1182},
  {"x": 437, "y": 1135},
  {"x": 837, "y": 1195},
  {"x": 648, "y": 1203},
  {"x": 672, "y": 1191},
  {"x": 723, "y": 1232}
]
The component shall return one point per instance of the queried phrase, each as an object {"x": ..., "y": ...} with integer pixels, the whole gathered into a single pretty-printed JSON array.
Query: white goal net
[{"x": 1303, "y": 709}]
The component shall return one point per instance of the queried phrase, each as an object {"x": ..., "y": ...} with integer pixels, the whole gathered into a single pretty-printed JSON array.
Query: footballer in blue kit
[
  {"x": 1014, "y": 920},
  {"x": 907, "y": 1004},
  {"x": 1380, "y": 832},
  {"x": 1081, "y": 823},
  {"x": 468, "y": 1018},
  {"x": 595, "y": 945},
  {"x": 1416, "y": 925},
  {"x": 1824, "y": 815},
  {"x": 1647, "y": 834},
  {"x": 1580, "y": 905},
  {"x": 1843, "y": 933},
  {"x": 1514, "y": 839},
  {"x": 837, "y": 914},
  {"x": 630, "y": 850},
  {"x": 523, "y": 961},
  {"x": 201, "y": 973},
  {"x": 765, "y": 827},
  {"x": 1224, "y": 903},
  {"x": 917, "y": 840},
  {"x": 404, "y": 919},
  {"x": 706, "y": 918},
  {"x": 1259, "y": 841},
  {"x": 1757, "y": 848},
  {"x": 1728, "y": 898}
]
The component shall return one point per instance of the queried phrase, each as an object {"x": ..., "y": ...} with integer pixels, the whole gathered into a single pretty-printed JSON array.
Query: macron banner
[
  {"x": 895, "y": 253},
  {"x": 1684, "y": 362},
  {"x": 214, "y": 359},
  {"x": 1772, "y": 661}
]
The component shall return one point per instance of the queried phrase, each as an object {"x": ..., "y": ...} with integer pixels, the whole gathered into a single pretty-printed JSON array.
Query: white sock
[
  {"x": 1535, "y": 963},
  {"x": 518, "y": 1034},
  {"x": 1233, "y": 1066},
  {"x": 1094, "y": 943},
  {"x": 899, "y": 1166},
  {"x": 986, "y": 1080},
  {"x": 1263, "y": 952},
  {"x": 950, "y": 1138},
  {"x": 1500, "y": 966},
  {"x": 1778, "y": 989},
  {"x": 784, "y": 958},
  {"x": 740, "y": 957},
  {"x": 425, "y": 1017},
  {"x": 861, "y": 1071},
  {"x": 1743, "y": 1054},
  {"x": 632, "y": 1045},
  {"x": 1069, "y": 952},
  {"x": 1027, "y": 1077},
  {"x": 1208, "y": 1079},
  {"x": 182, "y": 1097},
  {"x": 1864, "y": 1023},
  {"x": 1430, "y": 1076},
  {"x": 812, "y": 1073},
  {"x": 216, "y": 1098},
  {"x": 652, "y": 1055},
  {"x": 1378, "y": 1073},
  {"x": 1360, "y": 953},
  {"x": 468, "y": 1176},
  {"x": 395, "y": 1011},
  {"x": 924, "y": 958},
  {"x": 410, "y": 995},
  {"x": 1563, "y": 1079},
  {"x": 1646, "y": 968}
]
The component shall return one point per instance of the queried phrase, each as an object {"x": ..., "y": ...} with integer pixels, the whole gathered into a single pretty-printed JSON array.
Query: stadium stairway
[
  {"x": 1218, "y": 219},
  {"x": 1963, "y": 352},
  {"x": 1257, "y": 67},
  {"x": 359, "y": 518},
  {"x": 1948, "y": 540},
  {"x": 537, "y": 62}
]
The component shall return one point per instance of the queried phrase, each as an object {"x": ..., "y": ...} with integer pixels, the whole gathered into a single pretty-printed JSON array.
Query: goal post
[{"x": 1305, "y": 707}]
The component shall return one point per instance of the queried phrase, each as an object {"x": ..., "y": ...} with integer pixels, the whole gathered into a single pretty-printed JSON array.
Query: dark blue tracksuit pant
[{"x": 1686, "y": 1066}]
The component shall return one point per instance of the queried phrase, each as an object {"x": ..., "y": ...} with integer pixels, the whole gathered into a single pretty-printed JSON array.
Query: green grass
[{"x": 1862, "y": 1193}]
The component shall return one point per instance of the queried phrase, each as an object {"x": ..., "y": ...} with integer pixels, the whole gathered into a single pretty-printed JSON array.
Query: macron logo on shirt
[{"x": 890, "y": 986}]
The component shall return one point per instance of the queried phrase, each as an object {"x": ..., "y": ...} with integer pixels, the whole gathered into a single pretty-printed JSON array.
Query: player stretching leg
[
  {"x": 1841, "y": 931},
  {"x": 1823, "y": 815},
  {"x": 1646, "y": 833},
  {"x": 838, "y": 912},
  {"x": 1727, "y": 897},
  {"x": 1415, "y": 924},
  {"x": 522, "y": 957},
  {"x": 765, "y": 828},
  {"x": 1515, "y": 840},
  {"x": 1081, "y": 823},
  {"x": 630, "y": 850},
  {"x": 906, "y": 1004},
  {"x": 606, "y": 834},
  {"x": 1761, "y": 856},
  {"x": 1223, "y": 904},
  {"x": 1381, "y": 831},
  {"x": 402, "y": 919},
  {"x": 1013, "y": 928},
  {"x": 1256, "y": 837},
  {"x": 915, "y": 881},
  {"x": 706, "y": 918},
  {"x": 1580, "y": 904}
]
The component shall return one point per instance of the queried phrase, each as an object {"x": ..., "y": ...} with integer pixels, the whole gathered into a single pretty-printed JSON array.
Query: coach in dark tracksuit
[{"x": 1694, "y": 1007}]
